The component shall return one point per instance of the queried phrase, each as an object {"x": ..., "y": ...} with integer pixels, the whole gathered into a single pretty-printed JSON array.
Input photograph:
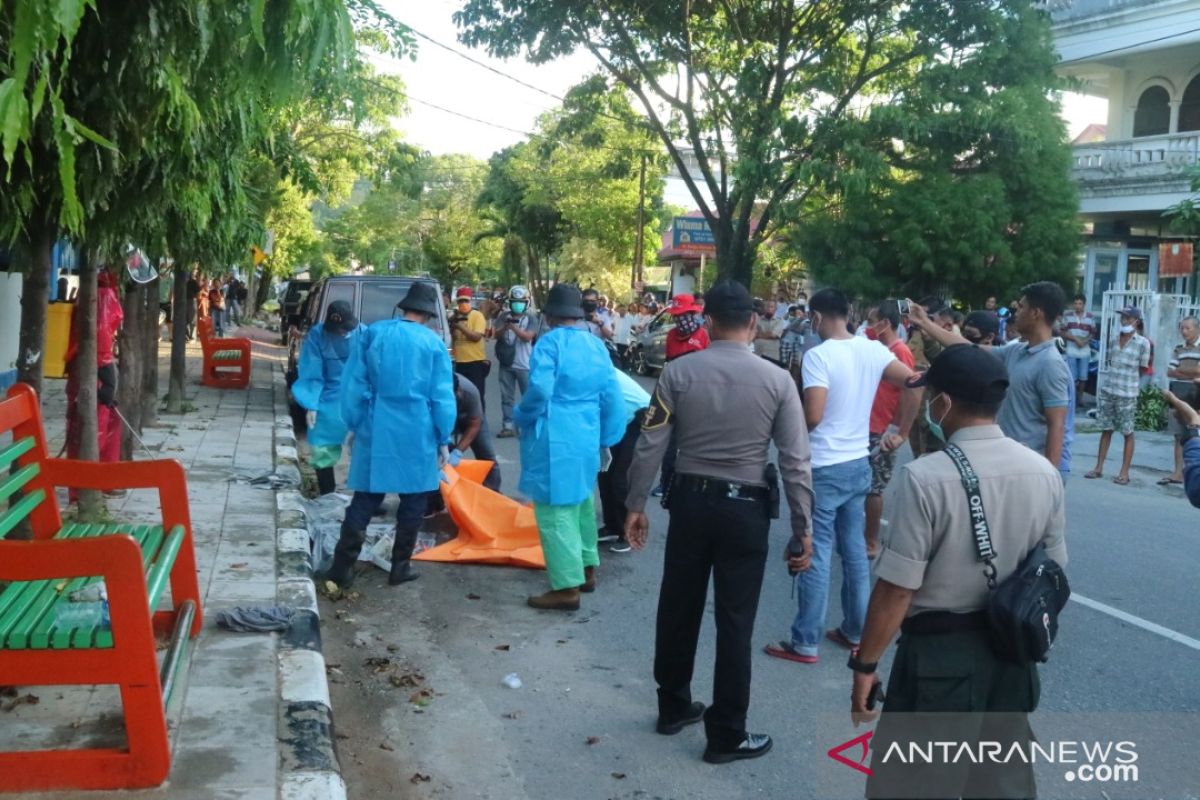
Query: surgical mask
[
  {"x": 589, "y": 306},
  {"x": 518, "y": 307},
  {"x": 935, "y": 426},
  {"x": 1126, "y": 329}
]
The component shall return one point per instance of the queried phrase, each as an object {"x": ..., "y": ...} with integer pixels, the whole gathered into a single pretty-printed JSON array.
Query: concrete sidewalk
[
  {"x": 1153, "y": 456},
  {"x": 234, "y": 729}
]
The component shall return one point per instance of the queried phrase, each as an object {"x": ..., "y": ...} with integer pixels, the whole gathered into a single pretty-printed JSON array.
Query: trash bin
[{"x": 58, "y": 336}]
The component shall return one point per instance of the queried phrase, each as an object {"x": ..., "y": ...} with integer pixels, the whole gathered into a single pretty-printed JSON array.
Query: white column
[{"x": 1174, "y": 126}]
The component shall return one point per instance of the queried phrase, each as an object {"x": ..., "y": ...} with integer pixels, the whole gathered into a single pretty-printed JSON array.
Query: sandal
[
  {"x": 1169, "y": 481},
  {"x": 1119, "y": 481},
  {"x": 1094, "y": 474},
  {"x": 787, "y": 652}
]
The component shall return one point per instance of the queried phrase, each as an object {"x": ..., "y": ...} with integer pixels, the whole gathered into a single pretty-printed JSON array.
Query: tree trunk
[
  {"x": 149, "y": 356},
  {"x": 129, "y": 385},
  {"x": 91, "y": 503},
  {"x": 35, "y": 297},
  {"x": 179, "y": 325},
  {"x": 262, "y": 291}
]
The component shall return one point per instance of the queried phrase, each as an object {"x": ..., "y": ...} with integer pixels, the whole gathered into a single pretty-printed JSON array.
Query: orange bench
[
  {"x": 39, "y": 645},
  {"x": 226, "y": 361}
]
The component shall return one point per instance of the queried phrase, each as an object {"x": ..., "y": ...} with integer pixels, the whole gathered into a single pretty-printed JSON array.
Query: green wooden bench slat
[
  {"x": 227, "y": 355},
  {"x": 17, "y": 480},
  {"x": 156, "y": 578},
  {"x": 39, "y": 618},
  {"x": 82, "y": 637},
  {"x": 15, "y": 450},
  {"x": 19, "y": 510},
  {"x": 17, "y": 598}
]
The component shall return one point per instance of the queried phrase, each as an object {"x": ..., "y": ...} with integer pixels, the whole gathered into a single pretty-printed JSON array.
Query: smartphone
[
  {"x": 903, "y": 307},
  {"x": 875, "y": 696}
]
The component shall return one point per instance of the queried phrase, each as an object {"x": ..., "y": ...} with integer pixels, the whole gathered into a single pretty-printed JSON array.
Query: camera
[{"x": 513, "y": 319}]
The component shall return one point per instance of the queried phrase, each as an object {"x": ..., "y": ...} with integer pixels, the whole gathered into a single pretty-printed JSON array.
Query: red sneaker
[{"x": 787, "y": 652}]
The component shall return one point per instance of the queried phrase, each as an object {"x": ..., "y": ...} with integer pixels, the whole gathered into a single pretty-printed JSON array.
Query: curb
[{"x": 308, "y": 762}]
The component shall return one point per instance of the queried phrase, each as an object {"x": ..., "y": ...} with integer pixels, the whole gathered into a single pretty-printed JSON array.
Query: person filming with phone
[{"x": 963, "y": 521}]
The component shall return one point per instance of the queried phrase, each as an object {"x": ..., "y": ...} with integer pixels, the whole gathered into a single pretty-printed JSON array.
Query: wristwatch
[
  {"x": 861, "y": 666},
  {"x": 1192, "y": 432}
]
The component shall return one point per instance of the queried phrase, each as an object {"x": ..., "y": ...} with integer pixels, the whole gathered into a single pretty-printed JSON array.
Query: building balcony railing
[{"x": 1145, "y": 158}]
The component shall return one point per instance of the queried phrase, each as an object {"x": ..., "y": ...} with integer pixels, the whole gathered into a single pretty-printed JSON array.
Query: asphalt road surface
[{"x": 430, "y": 717}]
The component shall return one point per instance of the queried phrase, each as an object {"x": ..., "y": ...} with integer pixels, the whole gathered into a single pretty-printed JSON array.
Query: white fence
[{"x": 1161, "y": 315}]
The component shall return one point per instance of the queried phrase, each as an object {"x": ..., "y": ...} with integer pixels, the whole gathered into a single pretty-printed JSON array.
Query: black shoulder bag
[{"x": 1023, "y": 609}]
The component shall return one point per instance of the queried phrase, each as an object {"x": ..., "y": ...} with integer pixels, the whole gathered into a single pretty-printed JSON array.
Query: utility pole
[{"x": 640, "y": 245}]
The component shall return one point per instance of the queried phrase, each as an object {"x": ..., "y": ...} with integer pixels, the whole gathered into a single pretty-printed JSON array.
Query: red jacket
[
  {"x": 680, "y": 344},
  {"x": 109, "y": 316}
]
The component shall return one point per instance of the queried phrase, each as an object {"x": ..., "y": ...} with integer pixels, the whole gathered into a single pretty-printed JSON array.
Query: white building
[{"x": 1143, "y": 57}]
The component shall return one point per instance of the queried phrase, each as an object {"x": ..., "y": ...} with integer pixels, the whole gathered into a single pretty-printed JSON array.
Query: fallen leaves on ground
[
  {"x": 419, "y": 777},
  {"x": 503, "y": 647},
  {"x": 473, "y": 596},
  {"x": 386, "y": 746},
  {"x": 23, "y": 700},
  {"x": 593, "y": 740},
  {"x": 512, "y": 715},
  {"x": 240, "y": 565},
  {"x": 618, "y": 775}
]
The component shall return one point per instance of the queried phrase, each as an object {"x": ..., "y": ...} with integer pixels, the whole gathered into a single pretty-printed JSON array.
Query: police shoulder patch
[{"x": 657, "y": 415}]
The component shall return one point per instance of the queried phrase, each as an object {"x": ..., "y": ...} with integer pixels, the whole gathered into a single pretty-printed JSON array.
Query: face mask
[
  {"x": 518, "y": 307},
  {"x": 1126, "y": 329},
  {"x": 935, "y": 427},
  {"x": 589, "y": 306}
]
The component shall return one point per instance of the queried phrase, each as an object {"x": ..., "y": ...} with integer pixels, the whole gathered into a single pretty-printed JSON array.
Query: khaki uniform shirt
[
  {"x": 726, "y": 405},
  {"x": 932, "y": 547}
]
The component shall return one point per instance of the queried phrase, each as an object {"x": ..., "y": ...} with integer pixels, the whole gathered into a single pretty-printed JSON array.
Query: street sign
[{"x": 692, "y": 234}]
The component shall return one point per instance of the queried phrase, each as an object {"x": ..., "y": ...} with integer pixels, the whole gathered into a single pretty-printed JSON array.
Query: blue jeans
[
  {"x": 1078, "y": 367},
  {"x": 839, "y": 516}
]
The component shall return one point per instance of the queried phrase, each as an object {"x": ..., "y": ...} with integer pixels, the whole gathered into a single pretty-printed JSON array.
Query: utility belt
[
  {"x": 930, "y": 623},
  {"x": 712, "y": 487}
]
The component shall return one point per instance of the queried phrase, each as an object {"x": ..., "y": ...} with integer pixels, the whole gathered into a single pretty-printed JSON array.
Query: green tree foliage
[
  {"x": 763, "y": 96},
  {"x": 959, "y": 185}
]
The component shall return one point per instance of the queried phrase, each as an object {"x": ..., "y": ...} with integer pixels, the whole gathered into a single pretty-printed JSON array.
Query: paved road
[{"x": 588, "y": 674}]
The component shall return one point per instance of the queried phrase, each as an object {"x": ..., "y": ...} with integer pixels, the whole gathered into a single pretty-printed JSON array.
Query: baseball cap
[
  {"x": 684, "y": 304},
  {"x": 1131, "y": 311},
  {"x": 464, "y": 292},
  {"x": 983, "y": 321},
  {"x": 966, "y": 372},
  {"x": 727, "y": 297}
]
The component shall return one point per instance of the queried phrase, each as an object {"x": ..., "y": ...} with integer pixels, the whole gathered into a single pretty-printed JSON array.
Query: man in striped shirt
[{"x": 1184, "y": 367}]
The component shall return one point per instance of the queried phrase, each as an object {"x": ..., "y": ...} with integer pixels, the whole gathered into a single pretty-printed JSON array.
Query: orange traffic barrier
[{"x": 492, "y": 528}]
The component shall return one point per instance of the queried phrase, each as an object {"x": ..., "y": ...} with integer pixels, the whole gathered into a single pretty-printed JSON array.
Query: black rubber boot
[
  {"x": 345, "y": 554},
  {"x": 326, "y": 482},
  {"x": 402, "y": 549}
]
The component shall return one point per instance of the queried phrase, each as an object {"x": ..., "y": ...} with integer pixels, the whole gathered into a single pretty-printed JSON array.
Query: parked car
[
  {"x": 648, "y": 350},
  {"x": 373, "y": 298},
  {"x": 291, "y": 305}
]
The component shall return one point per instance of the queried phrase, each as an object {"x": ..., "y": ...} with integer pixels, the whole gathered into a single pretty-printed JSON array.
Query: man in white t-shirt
[{"x": 841, "y": 376}]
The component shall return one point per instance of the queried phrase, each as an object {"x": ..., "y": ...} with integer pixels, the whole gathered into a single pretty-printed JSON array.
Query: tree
[
  {"x": 952, "y": 190},
  {"x": 761, "y": 95}
]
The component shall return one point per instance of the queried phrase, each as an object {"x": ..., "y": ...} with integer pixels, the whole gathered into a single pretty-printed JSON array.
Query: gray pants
[{"x": 510, "y": 380}]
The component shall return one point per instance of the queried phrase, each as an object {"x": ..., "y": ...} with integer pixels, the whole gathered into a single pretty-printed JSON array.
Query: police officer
[
  {"x": 933, "y": 588},
  {"x": 725, "y": 406},
  {"x": 398, "y": 399}
]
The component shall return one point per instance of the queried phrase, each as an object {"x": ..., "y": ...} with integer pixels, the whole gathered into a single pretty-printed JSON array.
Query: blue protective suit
[
  {"x": 572, "y": 408},
  {"x": 398, "y": 399},
  {"x": 323, "y": 359}
]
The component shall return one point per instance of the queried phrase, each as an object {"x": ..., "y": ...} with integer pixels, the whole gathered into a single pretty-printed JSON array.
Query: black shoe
[
  {"x": 402, "y": 572},
  {"x": 607, "y": 535},
  {"x": 620, "y": 546},
  {"x": 753, "y": 746},
  {"x": 694, "y": 715}
]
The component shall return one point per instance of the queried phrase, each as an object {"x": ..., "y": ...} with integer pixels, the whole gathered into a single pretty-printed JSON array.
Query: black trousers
[
  {"x": 726, "y": 538},
  {"x": 614, "y": 484},
  {"x": 476, "y": 372},
  {"x": 976, "y": 697}
]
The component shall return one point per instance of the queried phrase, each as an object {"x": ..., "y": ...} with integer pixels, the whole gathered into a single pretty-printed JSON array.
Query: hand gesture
[
  {"x": 1184, "y": 412},
  {"x": 863, "y": 684},
  {"x": 917, "y": 313},
  {"x": 637, "y": 529},
  {"x": 890, "y": 442}
]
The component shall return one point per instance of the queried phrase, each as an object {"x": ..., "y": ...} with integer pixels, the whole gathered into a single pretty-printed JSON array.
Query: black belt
[
  {"x": 935, "y": 622},
  {"x": 718, "y": 488}
]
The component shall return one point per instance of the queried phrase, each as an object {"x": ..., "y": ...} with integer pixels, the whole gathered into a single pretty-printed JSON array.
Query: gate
[{"x": 1161, "y": 315}]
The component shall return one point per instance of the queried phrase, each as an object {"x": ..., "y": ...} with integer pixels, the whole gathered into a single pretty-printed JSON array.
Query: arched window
[
  {"x": 1153, "y": 114},
  {"x": 1189, "y": 109}
]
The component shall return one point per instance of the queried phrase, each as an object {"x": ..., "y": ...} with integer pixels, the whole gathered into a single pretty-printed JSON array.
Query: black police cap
[
  {"x": 983, "y": 321},
  {"x": 727, "y": 297},
  {"x": 966, "y": 372}
]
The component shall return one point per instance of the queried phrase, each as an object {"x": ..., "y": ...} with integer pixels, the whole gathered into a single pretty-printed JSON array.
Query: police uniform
[
  {"x": 725, "y": 405},
  {"x": 944, "y": 661}
]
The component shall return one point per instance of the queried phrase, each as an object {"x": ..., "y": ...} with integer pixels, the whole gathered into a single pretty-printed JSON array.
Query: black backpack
[{"x": 1023, "y": 609}]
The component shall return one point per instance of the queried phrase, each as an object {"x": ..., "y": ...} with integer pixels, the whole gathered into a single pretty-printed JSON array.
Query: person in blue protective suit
[
  {"x": 398, "y": 400},
  {"x": 318, "y": 388},
  {"x": 572, "y": 410}
]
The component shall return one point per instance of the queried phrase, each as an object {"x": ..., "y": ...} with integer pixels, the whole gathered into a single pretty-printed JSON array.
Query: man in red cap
[
  {"x": 688, "y": 336},
  {"x": 467, "y": 329}
]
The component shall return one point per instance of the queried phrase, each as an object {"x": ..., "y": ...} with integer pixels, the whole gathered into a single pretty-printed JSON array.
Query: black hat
[
  {"x": 727, "y": 297},
  {"x": 423, "y": 298},
  {"x": 983, "y": 321},
  {"x": 966, "y": 372},
  {"x": 565, "y": 301},
  {"x": 339, "y": 318}
]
